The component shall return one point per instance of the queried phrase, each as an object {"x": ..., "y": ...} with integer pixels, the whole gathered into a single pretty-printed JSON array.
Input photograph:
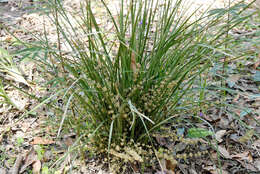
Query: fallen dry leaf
[
  {"x": 232, "y": 80},
  {"x": 219, "y": 135},
  {"x": 25, "y": 126},
  {"x": 8, "y": 38},
  {"x": 214, "y": 170},
  {"x": 30, "y": 158},
  {"x": 217, "y": 172},
  {"x": 69, "y": 139},
  {"x": 224, "y": 152},
  {"x": 42, "y": 141},
  {"x": 247, "y": 136},
  {"x": 248, "y": 166},
  {"x": 256, "y": 144},
  {"x": 257, "y": 163},
  {"x": 244, "y": 156},
  {"x": 170, "y": 166},
  {"x": 17, "y": 165},
  {"x": 48, "y": 155},
  {"x": 161, "y": 140},
  {"x": 49, "y": 130},
  {"x": 135, "y": 168},
  {"x": 36, "y": 167},
  {"x": 167, "y": 166}
]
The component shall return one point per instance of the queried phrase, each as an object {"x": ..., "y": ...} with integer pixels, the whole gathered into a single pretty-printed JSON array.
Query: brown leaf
[
  {"x": 47, "y": 156},
  {"x": 224, "y": 152},
  {"x": 247, "y": 136},
  {"x": 248, "y": 166},
  {"x": 224, "y": 122},
  {"x": 214, "y": 170},
  {"x": 161, "y": 140},
  {"x": 36, "y": 167},
  {"x": 43, "y": 141},
  {"x": 218, "y": 171},
  {"x": 69, "y": 139},
  {"x": 233, "y": 79},
  {"x": 30, "y": 158},
  {"x": 256, "y": 144},
  {"x": 49, "y": 130},
  {"x": 17, "y": 165},
  {"x": 135, "y": 167},
  {"x": 8, "y": 38},
  {"x": 244, "y": 156},
  {"x": 25, "y": 126},
  {"x": 170, "y": 165},
  {"x": 220, "y": 134},
  {"x": 257, "y": 163},
  {"x": 214, "y": 155}
]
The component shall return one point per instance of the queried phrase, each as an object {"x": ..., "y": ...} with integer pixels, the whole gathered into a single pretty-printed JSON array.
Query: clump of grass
[{"x": 128, "y": 84}]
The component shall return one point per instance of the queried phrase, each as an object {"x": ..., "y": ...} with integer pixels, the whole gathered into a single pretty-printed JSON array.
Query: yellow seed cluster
[
  {"x": 128, "y": 152},
  {"x": 190, "y": 151}
]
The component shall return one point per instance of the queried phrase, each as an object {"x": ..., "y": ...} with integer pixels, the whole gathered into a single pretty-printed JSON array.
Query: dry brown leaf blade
[
  {"x": 257, "y": 163},
  {"x": 247, "y": 136},
  {"x": 248, "y": 166},
  {"x": 36, "y": 167},
  {"x": 25, "y": 126},
  {"x": 220, "y": 134},
  {"x": 170, "y": 166},
  {"x": 223, "y": 151},
  {"x": 17, "y": 165},
  {"x": 214, "y": 170},
  {"x": 167, "y": 166},
  {"x": 30, "y": 158},
  {"x": 256, "y": 144},
  {"x": 42, "y": 141},
  {"x": 160, "y": 140},
  {"x": 244, "y": 156}
]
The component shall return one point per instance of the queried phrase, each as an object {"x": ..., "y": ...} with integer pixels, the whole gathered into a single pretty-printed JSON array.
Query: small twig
[{"x": 17, "y": 165}]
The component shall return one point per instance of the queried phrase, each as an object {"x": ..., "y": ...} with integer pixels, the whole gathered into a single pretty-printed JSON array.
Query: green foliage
[
  {"x": 40, "y": 152},
  {"x": 8, "y": 71},
  {"x": 8, "y": 66},
  {"x": 198, "y": 133},
  {"x": 20, "y": 141},
  {"x": 5, "y": 61},
  {"x": 127, "y": 87},
  {"x": 45, "y": 170}
]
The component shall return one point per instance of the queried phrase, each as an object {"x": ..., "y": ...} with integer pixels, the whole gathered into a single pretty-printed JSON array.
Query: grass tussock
[{"x": 122, "y": 86}]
